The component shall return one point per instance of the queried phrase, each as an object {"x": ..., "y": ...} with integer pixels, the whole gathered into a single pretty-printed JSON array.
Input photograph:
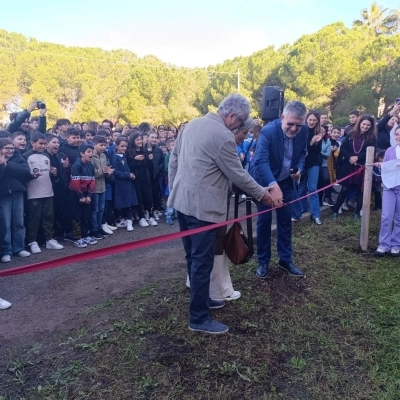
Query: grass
[{"x": 333, "y": 335}]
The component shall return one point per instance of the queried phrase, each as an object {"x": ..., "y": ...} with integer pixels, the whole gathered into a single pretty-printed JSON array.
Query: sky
[{"x": 185, "y": 33}]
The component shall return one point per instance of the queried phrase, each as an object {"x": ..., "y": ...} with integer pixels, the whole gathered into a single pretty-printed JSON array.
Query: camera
[{"x": 40, "y": 105}]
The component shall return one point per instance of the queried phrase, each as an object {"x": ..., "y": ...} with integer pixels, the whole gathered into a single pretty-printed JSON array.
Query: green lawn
[{"x": 333, "y": 335}]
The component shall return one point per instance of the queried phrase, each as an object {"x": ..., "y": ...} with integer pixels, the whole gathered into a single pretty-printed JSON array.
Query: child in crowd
[
  {"x": 108, "y": 215},
  {"x": 124, "y": 193},
  {"x": 82, "y": 137},
  {"x": 14, "y": 173},
  {"x": 89, "y": 135},
  {"x": 170, "y": 211},
  {"x": 101, "y": 170},
  {"x": 40, "y": 195},
  {"x": 19, "y": 141},
  {"x": 60, "y": 180},
  {"x": 81, "y": 191},
  {"x": 138, "y": 159},
  {"x": 70, "y": 146}
]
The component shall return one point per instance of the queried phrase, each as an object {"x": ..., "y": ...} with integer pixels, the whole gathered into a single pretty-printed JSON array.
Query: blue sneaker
[
  {"x": 169, "y": 221},
  {"x": 210, "y": 326},
  {"x": 216, "y": 304}
]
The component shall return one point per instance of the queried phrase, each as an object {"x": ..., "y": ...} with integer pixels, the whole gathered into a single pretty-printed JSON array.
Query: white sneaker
[
  {"x": 146, "y": 216},
  {"x": 121, "y": 224},
  {"x": 234, "y": 296},
  {"x": 143, "y": 223},
  {"x": 6, "y": 258},
  {"x": 35, "y": 249},
  {"x": 129, "y": 226},
  {"x": 152, "y": 222},
  {"x": 4, "y": 304},
  {"x": 394, "y": 252},
  {"x": 345, "y": 207},
  {"x": 340, "y": 211},
  {"x": 106, "y": 229},
  {"x": 110, "y": 227},
  {"x": 23, "y": 253},
  {"x": 53, "y": 245},
  {"x": 156, "y": 217}
]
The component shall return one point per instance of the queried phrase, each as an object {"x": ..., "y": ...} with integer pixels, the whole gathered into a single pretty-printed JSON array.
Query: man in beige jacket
[{"x": 204, "y": 159}]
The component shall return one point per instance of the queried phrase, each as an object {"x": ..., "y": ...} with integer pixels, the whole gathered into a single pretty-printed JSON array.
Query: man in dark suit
[{"x": 278, "y": 162}]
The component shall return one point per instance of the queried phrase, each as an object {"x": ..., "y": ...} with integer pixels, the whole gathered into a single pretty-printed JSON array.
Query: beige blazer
[{"x": 203, "y": 161}]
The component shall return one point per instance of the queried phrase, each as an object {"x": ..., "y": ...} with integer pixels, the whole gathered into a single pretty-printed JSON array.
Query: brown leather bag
[{"x": 236, "y": 245}]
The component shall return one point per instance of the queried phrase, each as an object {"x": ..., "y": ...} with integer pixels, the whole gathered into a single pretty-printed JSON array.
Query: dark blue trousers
[
  {"x": 199, "y": 249},
  {"x": 283, "y": 227}
]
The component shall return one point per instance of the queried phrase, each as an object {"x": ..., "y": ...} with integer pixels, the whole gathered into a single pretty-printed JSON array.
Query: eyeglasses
[
  {"x": 292, "y": 124},
  {"x": 9, "y": 148},
  {"x": 240, "y": 119}
]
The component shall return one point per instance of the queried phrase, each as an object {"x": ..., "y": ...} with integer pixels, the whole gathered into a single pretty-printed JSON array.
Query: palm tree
[{"x": 380, "y": 20}]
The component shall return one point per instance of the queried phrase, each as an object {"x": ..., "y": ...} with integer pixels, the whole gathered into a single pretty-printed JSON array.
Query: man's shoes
[
  {"x": 290, "y": 268},
  {"x": 334, "y": 216},
  {"x": 216, "y": 303},
  {"x": 152, "y": 222},
  {"x": 105, "y": 234},
  {"x": 295, "y": 219},
  {"x": 345, "y": 207},
  {"x": 89, "y": 240},
  {"x": 317, "y": 221},
  {"x": 210, "y": 326},
  {"x": 262, "y": 271},
  {"x": 143, "y": 223},
  {"x": 4, "y": 304},
  {"x": 112, "y": 228},
  {"x": 80, "y": 243},
  {"x": 234, "y": 296},
  {"x": 394, "y": 252},
  {"x": 328, "y": 202},
  {"x": 380, "y": 251}
]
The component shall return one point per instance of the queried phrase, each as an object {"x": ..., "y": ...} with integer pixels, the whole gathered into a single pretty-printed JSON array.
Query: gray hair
[
  {"x": 234, "y": 104},
  {"x": 295, "y": 107}
]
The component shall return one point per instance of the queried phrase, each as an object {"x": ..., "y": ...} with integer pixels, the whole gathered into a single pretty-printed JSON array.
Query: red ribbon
[{"x": 144, "y": 242}]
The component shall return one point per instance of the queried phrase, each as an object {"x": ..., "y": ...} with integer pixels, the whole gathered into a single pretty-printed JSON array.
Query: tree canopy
[{"x": 336, "y": 69}]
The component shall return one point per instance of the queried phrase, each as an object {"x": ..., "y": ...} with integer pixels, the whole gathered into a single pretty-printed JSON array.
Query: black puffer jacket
[
  {"x": 383, "y": 139},
  {"x": 15, "y": 175},
  {"x": 158, "y": 161}
]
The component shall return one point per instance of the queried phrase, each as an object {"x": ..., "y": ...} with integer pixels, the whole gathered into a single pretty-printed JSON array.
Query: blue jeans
[
  {"x": 170, "y": 211},
  {"x": 97, "y": 210},
  {"x": 312, "y": 185},
  {"x": 199, "y": 249},
  {"x": 13, "y": 210},
  {"x": 300, "y": 207},
  {"x": 283, "y": 227}
]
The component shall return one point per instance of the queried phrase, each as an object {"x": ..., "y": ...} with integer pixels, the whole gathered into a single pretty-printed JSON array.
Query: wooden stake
[{"x": 366, "y": 209}]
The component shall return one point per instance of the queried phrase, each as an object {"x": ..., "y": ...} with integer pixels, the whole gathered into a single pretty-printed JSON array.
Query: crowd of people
[{"x": 82, "y": 181}]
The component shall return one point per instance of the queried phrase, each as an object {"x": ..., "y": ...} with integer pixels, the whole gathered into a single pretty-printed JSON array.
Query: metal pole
[{"x": 366, "y": 209}]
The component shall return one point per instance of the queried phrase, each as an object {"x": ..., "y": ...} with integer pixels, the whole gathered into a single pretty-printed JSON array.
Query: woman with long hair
[
  {"x": 138, "y": 161},
  {"x": 353, "y": 152}
]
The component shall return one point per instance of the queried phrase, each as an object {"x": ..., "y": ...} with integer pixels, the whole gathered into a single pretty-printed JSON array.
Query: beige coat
[
  {"x": 99, "y": 161},
  {"x": 203, "y": 161}
]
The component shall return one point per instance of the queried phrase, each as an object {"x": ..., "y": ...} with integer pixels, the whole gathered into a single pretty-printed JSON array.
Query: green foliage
[{"x": 335, "y": 69}]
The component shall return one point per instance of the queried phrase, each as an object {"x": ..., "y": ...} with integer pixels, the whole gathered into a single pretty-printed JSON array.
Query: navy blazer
[{"x": 268, "y": 159}]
